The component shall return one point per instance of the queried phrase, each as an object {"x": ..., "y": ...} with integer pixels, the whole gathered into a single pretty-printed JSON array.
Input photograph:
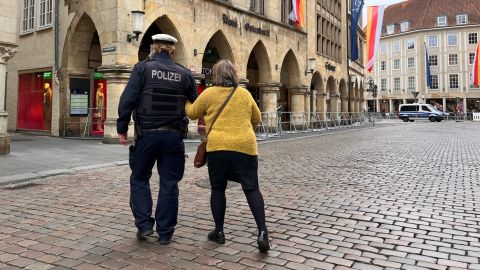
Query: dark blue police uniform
[{"x": 156, "y": 93}]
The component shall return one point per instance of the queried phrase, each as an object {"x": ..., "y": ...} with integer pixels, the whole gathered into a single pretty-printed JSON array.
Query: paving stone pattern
[{"x": 399, "y": 197}]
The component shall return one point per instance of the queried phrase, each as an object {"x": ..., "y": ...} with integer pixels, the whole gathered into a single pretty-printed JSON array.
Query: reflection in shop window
[{"x": 35, "y": 101}]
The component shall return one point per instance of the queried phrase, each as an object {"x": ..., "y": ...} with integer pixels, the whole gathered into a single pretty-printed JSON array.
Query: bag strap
[{"x": 221, "y": 109}]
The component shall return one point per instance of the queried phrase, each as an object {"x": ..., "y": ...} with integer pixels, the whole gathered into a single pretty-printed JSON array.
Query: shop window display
[
  {"x": 35, "y": 101},
  {"x": 100, "y": 104}
]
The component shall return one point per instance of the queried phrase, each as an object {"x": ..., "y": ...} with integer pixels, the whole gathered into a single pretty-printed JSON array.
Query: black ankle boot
[
  {"x": 218, "y": 237},
  {"x": 263, "y": 242}
]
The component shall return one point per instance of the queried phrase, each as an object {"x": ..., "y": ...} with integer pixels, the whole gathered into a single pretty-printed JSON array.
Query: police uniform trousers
[{"x": 168, "y": 150}]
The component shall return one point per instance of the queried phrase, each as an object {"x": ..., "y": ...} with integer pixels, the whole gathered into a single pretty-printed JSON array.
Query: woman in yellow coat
[{"x": 231, "y": 147}]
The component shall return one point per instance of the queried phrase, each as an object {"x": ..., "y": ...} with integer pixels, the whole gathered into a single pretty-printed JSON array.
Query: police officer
[{"x": 156, "y": 95}]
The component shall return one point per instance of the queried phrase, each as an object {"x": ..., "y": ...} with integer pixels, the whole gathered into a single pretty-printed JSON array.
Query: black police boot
[
  {"x": 263, "y": 242},
  {"x": 165, "y": 241},
  {"x": 218, "y": 237},
  {"x": 143, "y": 235}
]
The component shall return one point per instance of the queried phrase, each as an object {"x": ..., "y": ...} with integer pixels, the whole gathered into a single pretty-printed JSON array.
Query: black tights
[{"x": 218, "y": 204}]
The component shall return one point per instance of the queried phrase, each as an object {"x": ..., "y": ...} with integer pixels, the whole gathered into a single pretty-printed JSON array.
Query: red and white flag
[{"x": 374, "y": 30}]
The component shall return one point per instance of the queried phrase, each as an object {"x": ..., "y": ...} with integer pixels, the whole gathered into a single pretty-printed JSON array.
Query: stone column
[
  {"x": 344, "y": 104},
  {"x": 390, "y": 105},
  {"x": 5, "y": 55},
  {"x": 193, "y": 131},
  {"x": 377, "y": 104},
  {"x": 297, "y": 99},
  {"x": 465, "y": 105},
  {"x": 307, "y": 107},
  {"x": 321, "y": 105},
  {"x": 269, "y": 92},
  {"x": 444, "y": 104},
  {"x": 334, "y": 103},
  {"x": 117, "y": 78}
]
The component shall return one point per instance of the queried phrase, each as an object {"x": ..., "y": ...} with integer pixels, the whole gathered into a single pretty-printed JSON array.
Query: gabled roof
[{"x": 422, "y": 14}]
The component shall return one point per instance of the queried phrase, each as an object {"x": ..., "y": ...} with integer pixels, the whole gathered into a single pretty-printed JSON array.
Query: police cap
[{"x": 164, "y": 38}]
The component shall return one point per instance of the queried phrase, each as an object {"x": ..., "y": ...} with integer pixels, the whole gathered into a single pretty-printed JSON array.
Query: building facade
[
  {"x": 8, "y": 44},
  {"x": 73, "y": 70},
  {"x": 448, "y": 30}
]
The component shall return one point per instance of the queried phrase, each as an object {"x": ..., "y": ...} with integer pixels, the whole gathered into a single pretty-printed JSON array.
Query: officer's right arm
[
  {"x": 129, "y": 97},
  {"x": 198, "y": 108}
]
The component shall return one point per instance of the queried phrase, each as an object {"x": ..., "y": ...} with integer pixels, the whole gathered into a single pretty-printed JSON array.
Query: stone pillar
[
  {"x": 5, "y": 55},
  {"x": 269, "y": 92},
  {"x": 390, "y": 105},
  {"x": 297, "y": 99},
  {"x": 444, "y": 104},
  {"x": 243, "y": 82},
  {"x": 344, "y": 104},
  {"x": 334, "y": 103},
  {"x": 465, "y": 105},
  {"x": 117, "y": 78},
  {"x": 307, "y": 108},
  {"x": 321, "y": 105}
]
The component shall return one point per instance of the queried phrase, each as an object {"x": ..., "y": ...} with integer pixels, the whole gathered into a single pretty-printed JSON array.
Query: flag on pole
[
  {"x": 374, "y": 30},
  {"x": 357, "y": 7},
  {"x": 476, "y": 67},
  {"x": 298, "y": 7},
  {"x": 427, "y": 66}
]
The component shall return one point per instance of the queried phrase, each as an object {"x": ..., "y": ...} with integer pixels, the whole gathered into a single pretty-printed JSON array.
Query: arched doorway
[
  {"x": 317, "y": 103},
  {"x": 217, "y": 48},
  {"x": 343, "y": 96},
  {"x": 289, "y": 77},
  {"x": 163, "y": 25},
  {"x": 86, "y": 106},
  {"x": 258, "y": 71},
  {"x": 332, "y": 95}
]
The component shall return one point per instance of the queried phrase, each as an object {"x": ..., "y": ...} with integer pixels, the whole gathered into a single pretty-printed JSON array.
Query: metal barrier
[
  {"x": 278, "y": 124},
  {"x": 89, "y": 126}
]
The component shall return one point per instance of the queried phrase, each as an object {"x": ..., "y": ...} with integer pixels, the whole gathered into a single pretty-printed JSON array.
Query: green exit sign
[
  {"x": 47, "y": 75},
  {"x": 98, "y": 75}
]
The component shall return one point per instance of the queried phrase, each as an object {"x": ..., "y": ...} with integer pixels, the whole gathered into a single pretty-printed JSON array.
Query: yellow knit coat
[{"x": 234, "y": 128}]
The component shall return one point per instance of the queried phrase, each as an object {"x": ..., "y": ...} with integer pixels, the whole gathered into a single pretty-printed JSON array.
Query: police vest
[{"x": 162, "y": 101}]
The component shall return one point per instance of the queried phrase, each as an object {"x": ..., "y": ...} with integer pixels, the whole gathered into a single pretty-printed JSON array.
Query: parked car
[{"x": 410, "y": 112}]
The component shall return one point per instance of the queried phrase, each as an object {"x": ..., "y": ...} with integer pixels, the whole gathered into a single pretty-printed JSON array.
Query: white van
[{"x": 410, "y": 112}]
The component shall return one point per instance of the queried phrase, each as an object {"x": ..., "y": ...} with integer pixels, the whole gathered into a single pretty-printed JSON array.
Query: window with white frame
[
  {"x": 411, "y": 83},
  {"x": 442, "y": 21},
  {"x": 383, "y": 84},
  {"x": 396, "y": 46},
  {"x": 410, "y": 44},
  {"x": 453, "y": 80},
  {"x": 472, "y": 38},
  {"x": 396, "y": 64},
  {"x": 471, "y": 58},
  {"x": 396, "y": 84},
  {"x": 453, "y": 59},
  {"x": 411, "y": 62},
  {"x": 433, "y": 60},
  {"x": 383, "y": 47},
  {"x": 404, "y": 26},
  {"x": 28, "y": 16},
  {"x": 462, "y": 19},
  {"x": 390, "y": 29},
  {"x": 45, "y": 14},
  {"x": 36, "y": 15},
  {"x": 452, "y": 39},
  {"x": 434, "y": 79},
  {"x": 383, "y": 65},
  {"x": 432, "y": 41}
]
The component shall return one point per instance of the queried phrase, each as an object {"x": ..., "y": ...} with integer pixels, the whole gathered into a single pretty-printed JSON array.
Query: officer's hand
[{"x": 122, "y": 138}]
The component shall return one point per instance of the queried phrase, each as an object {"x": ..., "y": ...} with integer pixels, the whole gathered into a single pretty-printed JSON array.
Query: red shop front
[{"x": 35, "y": 101}]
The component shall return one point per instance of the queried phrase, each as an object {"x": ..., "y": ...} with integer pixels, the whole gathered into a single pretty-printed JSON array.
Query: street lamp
[
  {"x": 137, "y": 19},
  {"x": 372, "y": 87}
]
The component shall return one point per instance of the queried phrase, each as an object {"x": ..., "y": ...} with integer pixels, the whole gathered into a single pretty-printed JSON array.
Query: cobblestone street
[{"x": 395, "y": 197}]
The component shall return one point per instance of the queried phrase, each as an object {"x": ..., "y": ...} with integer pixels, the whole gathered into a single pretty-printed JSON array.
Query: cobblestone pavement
[{"x": 397, "y": 197}]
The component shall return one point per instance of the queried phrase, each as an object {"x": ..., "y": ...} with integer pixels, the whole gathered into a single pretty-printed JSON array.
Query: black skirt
[{"x": 234, "y": 166}]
